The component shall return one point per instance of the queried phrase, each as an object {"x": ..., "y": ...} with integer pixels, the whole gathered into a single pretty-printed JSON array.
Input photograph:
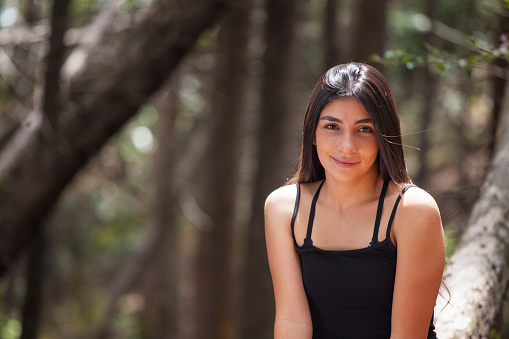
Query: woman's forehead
[{"x": 346, "y": 108}]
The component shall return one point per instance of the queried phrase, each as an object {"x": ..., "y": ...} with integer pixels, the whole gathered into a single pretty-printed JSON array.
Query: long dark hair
[{"x": 369, "y": 87}]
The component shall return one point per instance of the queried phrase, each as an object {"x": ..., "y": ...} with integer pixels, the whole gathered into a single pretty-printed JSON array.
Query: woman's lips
[{"x": 345, "y": 163}]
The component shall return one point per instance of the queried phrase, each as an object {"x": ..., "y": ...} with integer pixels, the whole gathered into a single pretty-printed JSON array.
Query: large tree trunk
[
  {"x": 159, "y": 318},
  {"x": 221, "y": 166},
  {"x": 40, "y": 171},
  {"x": 477, "y": 273},
  {"x": 330, "y": 34},
  {"x": 368, "y": 29},
  {"x": 257, "y": 313}
]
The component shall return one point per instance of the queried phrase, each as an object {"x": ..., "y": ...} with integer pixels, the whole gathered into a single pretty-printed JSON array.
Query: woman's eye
[
  {"x": 331, "y": 126},
  {"x": 365, "y": 129}
]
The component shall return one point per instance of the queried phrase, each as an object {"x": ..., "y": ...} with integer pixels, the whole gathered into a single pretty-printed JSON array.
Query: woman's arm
[
  {"x": 419, "y": 238},
  {"x": 293, "y": 320}
]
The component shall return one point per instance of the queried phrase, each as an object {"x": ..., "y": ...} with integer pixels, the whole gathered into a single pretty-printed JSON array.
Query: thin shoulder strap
[
  {"x": 308, "y": 240},
  {"x": 393, "y": 213},
  {"x": 381, "y": 200},
  {"x": 295, "y": 209}
]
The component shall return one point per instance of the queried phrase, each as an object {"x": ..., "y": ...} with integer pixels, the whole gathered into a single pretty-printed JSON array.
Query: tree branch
[
  {"x": 30, "y": 189},
  {"x": 92, "y": 36},
  {"x": 477, "y": 273}
]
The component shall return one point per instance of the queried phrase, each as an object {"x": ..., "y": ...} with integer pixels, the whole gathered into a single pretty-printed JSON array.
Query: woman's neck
[{"x": 352, "y": 193}]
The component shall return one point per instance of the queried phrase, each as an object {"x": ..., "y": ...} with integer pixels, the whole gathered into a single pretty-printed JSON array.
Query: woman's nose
[{"x": 347, "y": 145}]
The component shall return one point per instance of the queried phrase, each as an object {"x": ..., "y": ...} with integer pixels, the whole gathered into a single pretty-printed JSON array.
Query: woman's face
[{"x": 345, "y": 141}]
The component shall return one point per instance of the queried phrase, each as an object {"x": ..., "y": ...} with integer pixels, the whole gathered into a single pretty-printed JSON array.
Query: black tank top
[{"x": 350, "y": 292}]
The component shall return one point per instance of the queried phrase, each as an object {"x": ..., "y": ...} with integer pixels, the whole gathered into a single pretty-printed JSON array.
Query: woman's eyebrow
[
  {"x": 330, "y": 118},
  {"x": 364, "y": 121},
  {"x": 334, "y": 119}
]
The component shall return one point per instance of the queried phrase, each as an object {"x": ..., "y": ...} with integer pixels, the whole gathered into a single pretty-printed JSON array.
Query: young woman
[{"x": 355, "y": 250}]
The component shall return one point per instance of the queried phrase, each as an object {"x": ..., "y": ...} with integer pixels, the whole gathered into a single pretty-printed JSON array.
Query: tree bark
[
  {"x": 258, "y": 311},
  {"x": 51, "y": 105},
  {"x": 94, "y": 34},
  {"x": 331, "y": 34},
  {"x": 221, "y": 164},
  {"x": 367, "y": 37},
  {"x": 32, "y": 185},
  {"x": 32, "y": 306},
  {"x": 477, "y": 273},
  {"x": 51, "y": 108},
  {"x": 159, "y": 318}
]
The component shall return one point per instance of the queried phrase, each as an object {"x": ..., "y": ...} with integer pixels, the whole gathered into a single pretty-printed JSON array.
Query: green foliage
[
  {"x": 123, "y": 323},
  {"x": 482, "y": 54},
  {"x": 208, "y": 37},
  {"x": 450, "y": 241},
  {"x": 464, "y": 38},
  {"x": 10, "y": 328},
  {"x": 495, "y": 334}
]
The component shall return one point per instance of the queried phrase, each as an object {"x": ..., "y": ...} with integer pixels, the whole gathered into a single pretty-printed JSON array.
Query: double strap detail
[
  {"x": 309, "y": 242},
  {"x": 374, "y": 239}
]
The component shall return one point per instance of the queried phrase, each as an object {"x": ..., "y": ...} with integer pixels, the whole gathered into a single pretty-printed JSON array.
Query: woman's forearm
[{"x": 289, "y": 329}]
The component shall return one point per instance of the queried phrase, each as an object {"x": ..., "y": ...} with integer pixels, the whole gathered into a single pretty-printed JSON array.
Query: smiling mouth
[{"x": 345, "y": 163}]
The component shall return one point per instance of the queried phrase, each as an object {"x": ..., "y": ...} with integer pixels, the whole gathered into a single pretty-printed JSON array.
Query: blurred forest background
[{"x": 139, "y": 139}]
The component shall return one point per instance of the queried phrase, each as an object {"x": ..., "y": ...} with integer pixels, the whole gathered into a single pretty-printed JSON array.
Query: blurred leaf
[{"x": 450, "y": 241}]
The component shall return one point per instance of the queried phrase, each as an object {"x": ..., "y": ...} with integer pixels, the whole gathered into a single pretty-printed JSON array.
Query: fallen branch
[{"x": 477, "y": 273}]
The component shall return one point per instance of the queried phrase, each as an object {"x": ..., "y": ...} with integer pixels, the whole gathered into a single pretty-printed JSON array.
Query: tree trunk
[
  {"x": 257, "y": 313},
  {"x": 477, "y": 273},
  {"x": 331, "y": 34},
  {"x": 159, "y": 319},
  {"x": 51, "y": 105},
  {"x": 35, "y": 279},
  {"x": 368, "y": 29},
  {"x": 427, "y": 88},
  {"x": 41, "y": 170},
  {"x": 221, "y": 164}
]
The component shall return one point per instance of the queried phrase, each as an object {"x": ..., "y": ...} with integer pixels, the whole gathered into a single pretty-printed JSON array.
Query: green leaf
[
  {"x": 472, "y": 40},
  {"x": 473, "y": 58}
]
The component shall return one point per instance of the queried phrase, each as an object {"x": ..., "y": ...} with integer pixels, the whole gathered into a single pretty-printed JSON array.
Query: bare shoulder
[
  {"x": 418, "y": 214},
  {"x": 417, "y": 200},
  {"x": 281, "y": 201}
]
